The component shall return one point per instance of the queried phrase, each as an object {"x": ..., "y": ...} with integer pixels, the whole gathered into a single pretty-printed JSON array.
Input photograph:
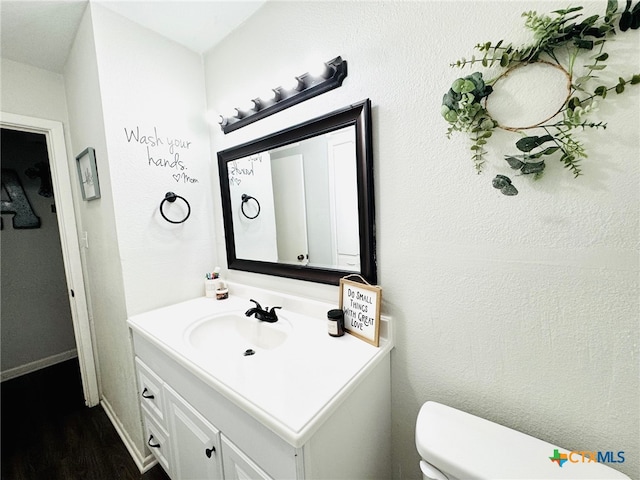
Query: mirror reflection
[{"x": 299, "y": 203}]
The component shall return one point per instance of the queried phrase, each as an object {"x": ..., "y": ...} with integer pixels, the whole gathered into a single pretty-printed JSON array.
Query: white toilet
[{"x": 455, "y": 445}]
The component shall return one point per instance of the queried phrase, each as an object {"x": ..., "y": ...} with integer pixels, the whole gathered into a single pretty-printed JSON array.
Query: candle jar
[{"x": 335, "y": 322}]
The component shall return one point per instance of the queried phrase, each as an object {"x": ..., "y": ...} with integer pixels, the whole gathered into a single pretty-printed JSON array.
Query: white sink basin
[{"x": 236, "y": 333}]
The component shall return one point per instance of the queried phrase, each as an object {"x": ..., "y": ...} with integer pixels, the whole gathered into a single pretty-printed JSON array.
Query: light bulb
[
  {"x": 269, "y": 96},
  {"x": 248, "y": 106},
  {"x": 293, "y": 83},
  {"x": 318, "y": 70}
]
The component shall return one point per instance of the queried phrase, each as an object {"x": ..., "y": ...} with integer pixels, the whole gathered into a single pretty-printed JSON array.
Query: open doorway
[
  {"x": 37, "y": 329},
  {"x": 51, "y": 132}
]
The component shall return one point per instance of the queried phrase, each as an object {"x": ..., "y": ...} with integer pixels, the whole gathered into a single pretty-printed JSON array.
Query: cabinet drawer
[
  {"x": 157, "y": 440},
  {"x": 151, "y": 392}
]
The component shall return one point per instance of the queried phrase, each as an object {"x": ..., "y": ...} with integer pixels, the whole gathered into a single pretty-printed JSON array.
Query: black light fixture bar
[{"x": 308, "y": 86}]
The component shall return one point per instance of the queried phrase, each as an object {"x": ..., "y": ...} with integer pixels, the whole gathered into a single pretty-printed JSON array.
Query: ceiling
[{"x": 41, "y": 32}]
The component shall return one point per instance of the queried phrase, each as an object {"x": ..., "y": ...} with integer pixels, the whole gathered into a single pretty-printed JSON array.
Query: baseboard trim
[
  {"x": 38, "y": 365},
  {"x": 143, "y": 463}
]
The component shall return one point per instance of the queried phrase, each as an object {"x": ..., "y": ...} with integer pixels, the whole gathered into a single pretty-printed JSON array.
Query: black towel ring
[
  {"x": 245, "y": 199},
  {"x": 171, "y": 197}
]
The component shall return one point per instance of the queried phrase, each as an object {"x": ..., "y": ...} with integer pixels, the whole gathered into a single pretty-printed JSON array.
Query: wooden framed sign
[{"x": 361, "y": 306}]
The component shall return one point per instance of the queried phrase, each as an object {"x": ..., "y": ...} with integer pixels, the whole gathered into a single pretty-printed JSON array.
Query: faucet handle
[
  {"x": 257, "y": 304},
  {"x": 272, "y": 309}
]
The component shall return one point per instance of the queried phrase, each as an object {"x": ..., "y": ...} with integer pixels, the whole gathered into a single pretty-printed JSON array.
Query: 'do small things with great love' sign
[{"x": 361, "y": 306}]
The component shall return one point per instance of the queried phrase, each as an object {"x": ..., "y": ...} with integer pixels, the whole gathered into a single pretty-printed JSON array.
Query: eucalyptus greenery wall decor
[{"x": 564, "y": 41}]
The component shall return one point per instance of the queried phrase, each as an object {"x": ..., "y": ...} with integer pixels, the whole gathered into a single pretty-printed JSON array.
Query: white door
[
  {"x": 287, "y": 175},
  {"x": 65, "y": 211},
  {"x": 343, "y": 182}
]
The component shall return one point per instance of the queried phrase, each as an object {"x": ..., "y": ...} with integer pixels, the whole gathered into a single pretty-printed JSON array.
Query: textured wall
[
  {"x": 138, "y": 99},
  {"x": 101, "y": 261},
  {"x": 523, "y": 310},
  {"x": 164, "y": 103}
]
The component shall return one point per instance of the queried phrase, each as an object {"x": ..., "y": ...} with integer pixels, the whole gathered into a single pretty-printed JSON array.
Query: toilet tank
[{"x": 463, "y": 446}]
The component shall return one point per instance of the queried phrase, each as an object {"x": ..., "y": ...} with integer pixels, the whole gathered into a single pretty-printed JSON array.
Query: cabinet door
[
  {"x": 237, "y": 466},
  {"x": 195, "y": 442}
]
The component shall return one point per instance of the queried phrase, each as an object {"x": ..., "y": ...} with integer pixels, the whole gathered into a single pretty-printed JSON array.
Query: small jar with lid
[{"x": 335, "y": 322}]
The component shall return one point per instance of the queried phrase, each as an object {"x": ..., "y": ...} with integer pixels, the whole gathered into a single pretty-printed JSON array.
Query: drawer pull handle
[
  {"x": 149, "y": 396},
  {"x": 209, "y": 451},
  {"x": 157, "y": 445}
]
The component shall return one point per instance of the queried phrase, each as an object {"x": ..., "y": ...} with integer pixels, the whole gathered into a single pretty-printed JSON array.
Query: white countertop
[{"x": 291, "y": 389}]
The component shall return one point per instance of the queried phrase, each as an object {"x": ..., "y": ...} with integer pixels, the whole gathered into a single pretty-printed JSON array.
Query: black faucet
[{"x": 265, "y": 315}]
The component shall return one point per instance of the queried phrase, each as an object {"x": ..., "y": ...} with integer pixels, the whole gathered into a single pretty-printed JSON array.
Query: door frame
[{"x": 66, "y": 214}]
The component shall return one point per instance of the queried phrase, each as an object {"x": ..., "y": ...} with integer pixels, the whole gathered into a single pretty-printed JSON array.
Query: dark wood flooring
[{"x": 49, "y": 434}]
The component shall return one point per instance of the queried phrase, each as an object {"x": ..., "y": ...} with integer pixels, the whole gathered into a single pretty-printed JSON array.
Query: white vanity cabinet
[
  {"x": 353, "y": 443},
  {"x": 322, "y": 411}
]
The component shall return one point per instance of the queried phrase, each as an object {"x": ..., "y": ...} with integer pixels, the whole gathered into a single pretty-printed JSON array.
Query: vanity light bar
[{"x": 303, "y": 87}]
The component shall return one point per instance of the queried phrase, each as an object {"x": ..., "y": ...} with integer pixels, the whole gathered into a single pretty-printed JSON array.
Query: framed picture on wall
[{"x": 88, "y": 174}]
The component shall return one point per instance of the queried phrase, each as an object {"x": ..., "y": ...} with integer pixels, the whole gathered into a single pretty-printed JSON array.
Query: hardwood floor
[{"x": 48, "y": 432}]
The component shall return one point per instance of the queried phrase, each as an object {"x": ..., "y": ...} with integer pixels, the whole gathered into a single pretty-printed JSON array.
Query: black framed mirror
[{"x": 299, "y": 203}]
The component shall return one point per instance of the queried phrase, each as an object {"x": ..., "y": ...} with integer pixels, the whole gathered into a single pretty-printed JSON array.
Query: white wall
[
  {"x": 523, "y": 310},
  {"x": 162, "y": 263},
  {"x": 122, "y": 78},
  {"x": 101, "y": 261},
  {"x": 32, "y": 92}
]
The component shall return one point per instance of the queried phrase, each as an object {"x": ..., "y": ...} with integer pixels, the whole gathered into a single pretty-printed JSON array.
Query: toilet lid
[{"x": 429, "y": 472}]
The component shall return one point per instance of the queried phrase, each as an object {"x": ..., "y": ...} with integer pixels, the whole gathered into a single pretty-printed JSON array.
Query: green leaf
[
  {"x": 567, "y": 10},
  {"x": 550, "y": 150},
  {"x": 602, "y": 57},
  {"x": 457, "y": 85},
  {"x": 621, "y": 81},
  {"x": 590, "y": 20},
  {"x": 501, "y": 181},
  {"x": 527, "y": 144},
  {"x": 601, "y": 91},
  {"x": 581, "y": 80},
  {"x": 635, "y": 17},
  {"x": 584, "y": 44},
  {"x": 573, "y": 103},
  {"x": 619, "y": 88},
  {"x": 529, "y": 168},
  {"x": 595, "y": 67},
  {"x": 509, "y": 190},
  {"x": 625, "y": 21},
  {"x": 514, "y": 162},
  {"x": 504, "y": 61},
  {"x": 636, "y": 78},
  {"x": 612, "y": 7}
]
